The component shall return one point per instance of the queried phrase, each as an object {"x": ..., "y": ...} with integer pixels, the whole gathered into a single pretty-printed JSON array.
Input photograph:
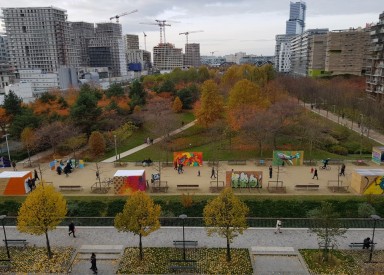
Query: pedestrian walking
[
  {"x": 198, "y": 173},
  {"x": 71, "y": 229},
  {"x": 270, "y": 171},
  {"x": 93, "y": 263},
  {"x": 36, "y": 175},
  {"x": 97, "y": 175},
  {"x": 315, "y": 174},
  {"x": 278, "y": 226},
  {"x": 213, "y": 174},
  {"x": 14, "y": 165},
  {"x": 342, "y": 170}
]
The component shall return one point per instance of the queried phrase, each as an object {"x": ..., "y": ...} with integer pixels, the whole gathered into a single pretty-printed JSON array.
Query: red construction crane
[
  {"x": 187, "y": 33},
  {"x": 123, "y": 14},
  {"x": 161, "y": 24}
]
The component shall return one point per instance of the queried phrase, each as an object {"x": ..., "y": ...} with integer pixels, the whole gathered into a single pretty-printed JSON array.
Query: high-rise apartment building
[
  {"x": 38, "y": 37},
  {"x": 296, "y": 22},
  {"x": 375, "y": 68},
  {"x": 166, "y": 57},
  {"x": 131, "y": 41},
  {"x": 81, "y": 33},
  {"x": 302, "y": 51},
  {"x": 346, "y": 51},
  {"x": 192, "y": 55},
  {"x": 107, "y": 49},
  {"x": 6, "y": 72},
  {"x": 316, "y": 52}
]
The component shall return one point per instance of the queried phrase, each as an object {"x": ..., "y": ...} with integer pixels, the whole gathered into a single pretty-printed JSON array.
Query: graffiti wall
[
  {"x": 368, "y": 181},
  {"x": 127, "y": 182},
  {"x": 188, "y": 158},
  {"x": 244, "y": 179},
  {"x": 378, "y": 154},
  {"x": 294, "y": 158}
]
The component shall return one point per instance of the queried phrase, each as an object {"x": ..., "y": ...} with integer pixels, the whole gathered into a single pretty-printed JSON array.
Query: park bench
[
  {"x": 187, "y": 243},
  {"x": 119, "y": 164},
  {"x": 70, "y": 187},
  {"x": 183, "y": 265},
  {"x": 187, "y": 186},
  {"x": 159, "y": 187},
  {"x": 16, "y": 242},
  {"x": 360, "y": 162},
  {"x": 307, "y": 187},
  {"x": 140, "y": 163},
  {"x": 359, "y": 245},
  {"x": 237, "y": 162},
  {"x": 5, "y": 265}
]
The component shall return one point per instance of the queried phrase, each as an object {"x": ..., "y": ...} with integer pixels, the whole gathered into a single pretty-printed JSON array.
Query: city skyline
[{"x": 229, "y": 26}]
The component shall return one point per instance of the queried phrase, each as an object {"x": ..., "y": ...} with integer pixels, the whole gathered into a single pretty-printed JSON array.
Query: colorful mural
[
  {"x": 378, "y": 154},
  {"x": 188, "y": 158},
  {"x": 127, "y": 182},
  {"x": 244, "y": 179},
  {"x": 375, "y": 186},
  {"x": 294, "y": 158}
]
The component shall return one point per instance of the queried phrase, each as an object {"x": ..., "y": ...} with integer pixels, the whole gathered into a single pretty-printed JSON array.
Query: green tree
[
  {"x": 212, "y": 104},
  {"x": 177, "y": 105},
  {"x": 115, "y": 90},
  {"x": 327, "y": 227},
  {"x": 140, "y": 216},
  {"x": 188, "y": 96},
  {"x": 137, "y": 94},
  {"x": 12, "y": 103},
  {"x": 97, "y": 143},
  {"x": 365, "y": 210},
  {"x": 85, "y": 112},
  {"x": 202, "y": 74},
  {"x": 26, "y": 118},
  {"x": 167, "y": 87},
  {"x": 226, "y": 216},
  {"x": 76, "y": 142},
  {"x": 42, "y": 211}
]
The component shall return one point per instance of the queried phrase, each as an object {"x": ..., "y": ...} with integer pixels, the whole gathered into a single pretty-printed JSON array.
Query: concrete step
[
  {"x": 101, "y": 249},
  {"x": 273, "y": 250},
  {"x": 99, "y": 256}
]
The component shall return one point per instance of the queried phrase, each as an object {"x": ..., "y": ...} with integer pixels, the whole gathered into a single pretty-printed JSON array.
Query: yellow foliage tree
[
  {"x": 211, "y": 107},
  {"x": 140, "y": 216},
  {"x": 245, "y": 99},
  {"x": 43, "y": 209},
  {"x": 177, "y": 105},
  {"x": 226, "y": 216}
]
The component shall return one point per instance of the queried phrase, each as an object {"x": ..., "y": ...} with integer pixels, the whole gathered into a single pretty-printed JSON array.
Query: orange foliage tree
[
  {"x": 177, "y": 105},
  {"x": 5, "y": 119}
]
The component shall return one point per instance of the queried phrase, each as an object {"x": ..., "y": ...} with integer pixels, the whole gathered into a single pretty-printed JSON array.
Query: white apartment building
[
  {"x": 235, "y": 58},
  {"x": 40, "y": 82},
  {"x": 166, "y": 57}
]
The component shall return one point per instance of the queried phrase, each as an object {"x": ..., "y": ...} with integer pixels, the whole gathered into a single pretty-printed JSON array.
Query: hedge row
[{"x": 258, "y": 208}]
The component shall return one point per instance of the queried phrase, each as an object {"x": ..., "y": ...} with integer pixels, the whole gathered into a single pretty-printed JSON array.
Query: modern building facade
[
  {"x": 346, "y": 51},
  {"x": 296, "y": 22},
  {"x": 316, "y": 52},
  {"x": 192, "y": 55},
  {"x": 6, "y": 72},
  {"x": 107, "y": 49},
  {"x": 131, "y": 41},
  {"x": 166, "y": 57},
  {"x": 375, "y": 68},
  {"x": 301, "y": 48},
  {"x": 38, "y": 37},
  {"x": 81, "y": 33},
  {"x": 258, "y": 60}
]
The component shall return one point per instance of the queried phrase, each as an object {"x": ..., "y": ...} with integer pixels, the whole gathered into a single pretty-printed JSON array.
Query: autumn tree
[
  {"x": 28, "y": 139},
  {"x": 75, "y": 142},
  {"x": 327, "y": 227},
  {"x": 140, "y": 216},
  {"x": 42, "y": 211},
  {"x": 123, "y": 133},
  {"x": 5, "y": 119},
  {"x": 52, "y": 134},
  {"x": 226, "y": 216},
  {"x": 177, "y": 105},
  {"x": 245, "y": 99},
  {"x": 97, "y": 143},
  {"x": 212, "y": 104}
]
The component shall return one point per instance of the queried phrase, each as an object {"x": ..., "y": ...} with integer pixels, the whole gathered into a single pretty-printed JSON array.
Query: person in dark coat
[
  {"x": 213, "y": 173},
  {"x": 93, "y": 263},
  {"x": 367, "y": 243},
  {"x": 36, "y": 175},
  {"x": 270, "y": 171},
  {"x": 58, "y": 170},
  {"x": 342, "y": 170},
  {"x": 315, "y": 174},
  {"x": 71, "y": 229}
]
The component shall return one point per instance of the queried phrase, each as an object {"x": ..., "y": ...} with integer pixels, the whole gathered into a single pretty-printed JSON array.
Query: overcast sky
[{"x": 229, "y": 26}]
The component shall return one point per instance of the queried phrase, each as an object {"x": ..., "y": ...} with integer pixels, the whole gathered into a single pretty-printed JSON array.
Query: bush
[
  {"x": 338, "y": 149},
  {"x": 115, "y": 207},
  {"x": 365, "y": 210},
  {"x": 9, "y": 208}
]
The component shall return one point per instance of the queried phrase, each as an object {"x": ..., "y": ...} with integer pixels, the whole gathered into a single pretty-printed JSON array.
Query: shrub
[
  {"x": 338, "y": 149},
  {"x": 186, "y": 200},
  {"x": 365, "y": 210},
  {"x": 114, "y": 207}
]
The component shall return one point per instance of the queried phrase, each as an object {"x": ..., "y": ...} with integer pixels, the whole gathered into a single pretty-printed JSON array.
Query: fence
[{"x": 198, "y": 221}]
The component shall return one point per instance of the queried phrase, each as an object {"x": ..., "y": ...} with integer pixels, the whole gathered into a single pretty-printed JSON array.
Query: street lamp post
[
  {"x": 183, "y": 217},
  {"x": 114, "y": 136},
  {"x": 6, "y": 140},
  {"x": 2, "y": 217},
  {"x": 362, "y": 134},
  {"x": 375, "y": 219}
]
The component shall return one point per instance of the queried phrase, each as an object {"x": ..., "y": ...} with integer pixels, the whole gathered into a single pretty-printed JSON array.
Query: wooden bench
[
  {"x": 70, "y": 187},
  {"x": 189, "y": 265},
  {"x": 359, "y": 245},
  {"x": 237, "y": 162},
  {"x": 17, "y": 242},
  {"x": 120, "y": 164},
  {"x": 187, "y": 243},
  {"x": 5, "y": 265},
  {"x": 307, "y": 186},
  {"x": 187, "y": 186}
]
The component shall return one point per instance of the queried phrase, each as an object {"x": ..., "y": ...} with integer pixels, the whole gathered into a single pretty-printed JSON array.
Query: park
[{"x": 261, "y": 163}]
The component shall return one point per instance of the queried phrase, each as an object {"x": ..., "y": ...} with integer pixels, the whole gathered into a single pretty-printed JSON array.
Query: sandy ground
[{"x": 290, "y": 176}]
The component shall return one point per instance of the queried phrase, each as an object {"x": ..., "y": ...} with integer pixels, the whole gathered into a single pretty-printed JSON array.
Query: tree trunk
[
  {"x": 261, "y": 148},
  {"x": 140, "y": 248},
  {"x": 228, "y": 251},
  {"x": 48, "y": 245}
]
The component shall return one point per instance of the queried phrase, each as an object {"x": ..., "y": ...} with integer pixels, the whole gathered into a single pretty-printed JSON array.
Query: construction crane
[
  {"x": 145, "y": 41},
  {"x": 162, "y": 24},
  {"x": 123, "y": 14},
  {"x": 187, "y": 33},
  {"x": 213, "y": 52}
]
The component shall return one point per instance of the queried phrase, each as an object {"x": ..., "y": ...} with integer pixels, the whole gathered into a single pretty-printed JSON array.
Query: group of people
[
  {"x": 66, "y": 170},
  {"x": 179, "y": 167},
  {"x": 32, "y": 182},
  {"x": 148, "y": 141},
  {"x": 147, "y": 162}
]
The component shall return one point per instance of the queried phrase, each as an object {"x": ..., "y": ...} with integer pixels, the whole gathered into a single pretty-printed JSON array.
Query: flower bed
[{"x": 209, "y": 260}]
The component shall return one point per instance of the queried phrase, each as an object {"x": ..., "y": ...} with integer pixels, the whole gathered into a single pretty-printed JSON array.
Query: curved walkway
[{"x": 145, "y": 145}]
